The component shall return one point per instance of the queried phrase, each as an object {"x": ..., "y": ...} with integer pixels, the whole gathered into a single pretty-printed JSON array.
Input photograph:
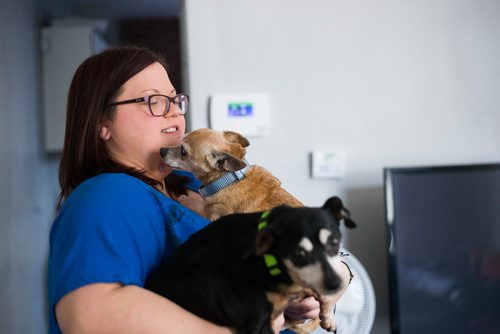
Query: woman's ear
[{"x": 104, "y": 132}]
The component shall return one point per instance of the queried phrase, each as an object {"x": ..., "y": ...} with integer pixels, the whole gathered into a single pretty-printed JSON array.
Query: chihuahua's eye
[
  {"x": 332, "y": 241},
  {"x": 183, "y": 151},
  {"x": 300, "y": 257},
  {"x": 332, "y": 245}
]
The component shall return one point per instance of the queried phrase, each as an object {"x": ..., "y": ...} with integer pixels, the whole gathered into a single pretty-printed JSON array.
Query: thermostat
[{"x": 248, "y": 114}]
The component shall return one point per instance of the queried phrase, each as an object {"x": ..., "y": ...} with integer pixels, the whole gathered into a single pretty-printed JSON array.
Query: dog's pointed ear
[
  {"x": 236, "y": 138},
  {"x": 225, "y": 161},
  {"x": 263, "y": 242},
  {"x": 339, "y": 212}
]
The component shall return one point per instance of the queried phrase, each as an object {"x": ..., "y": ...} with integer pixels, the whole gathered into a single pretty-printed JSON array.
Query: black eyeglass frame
[{"x": 147, "y": 99}]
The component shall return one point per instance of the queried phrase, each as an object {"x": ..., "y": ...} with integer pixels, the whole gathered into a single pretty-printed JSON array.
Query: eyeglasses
[{"x": 159, "y": 104}]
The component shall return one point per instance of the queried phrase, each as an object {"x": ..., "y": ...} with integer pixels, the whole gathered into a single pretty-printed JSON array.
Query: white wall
[
  {"x": 28, "y": 184},
  {"x": 393, "y": 83}
]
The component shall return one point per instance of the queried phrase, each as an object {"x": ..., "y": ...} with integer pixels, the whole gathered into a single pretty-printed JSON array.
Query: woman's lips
[{"x": 171, "y": 129}]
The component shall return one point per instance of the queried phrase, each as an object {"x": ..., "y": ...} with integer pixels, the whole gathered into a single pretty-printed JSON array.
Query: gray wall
[
  {"x": 28, "y": 176},
  {"x": 393, "y": 83},
  {"x": 28, "y": 184}
]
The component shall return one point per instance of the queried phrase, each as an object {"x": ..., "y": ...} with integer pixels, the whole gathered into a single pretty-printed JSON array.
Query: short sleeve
[
  {"x": 113, "y": 228},
  {"x": 109, "y": 230}
]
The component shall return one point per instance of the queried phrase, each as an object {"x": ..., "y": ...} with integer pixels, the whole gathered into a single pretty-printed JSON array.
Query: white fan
[{"x": 355, "y": 311}]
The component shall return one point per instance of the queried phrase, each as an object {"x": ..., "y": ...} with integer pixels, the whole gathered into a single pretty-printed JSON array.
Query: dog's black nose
[
  {"x": 332, "y": 283},
  {"x": 163, "y": 152}
]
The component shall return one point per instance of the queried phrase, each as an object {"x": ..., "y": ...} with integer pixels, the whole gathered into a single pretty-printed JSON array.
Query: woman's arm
[{"x": 114, "y": 308}]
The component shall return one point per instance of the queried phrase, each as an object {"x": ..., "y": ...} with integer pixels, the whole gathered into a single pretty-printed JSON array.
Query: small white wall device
[
  {"x": 328, "y": 164},
  {"x": 248, "y": 114}
]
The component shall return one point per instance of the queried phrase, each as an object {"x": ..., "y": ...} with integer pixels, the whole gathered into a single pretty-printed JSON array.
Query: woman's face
[{"x": 134, "y": 137}]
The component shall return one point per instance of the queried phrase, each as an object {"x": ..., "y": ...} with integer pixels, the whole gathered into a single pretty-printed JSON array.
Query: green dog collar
[{"x": 269, "y": 259}]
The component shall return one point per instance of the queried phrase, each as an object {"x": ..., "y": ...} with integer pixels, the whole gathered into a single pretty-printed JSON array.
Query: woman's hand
[
  {"x": 301, "y": 310},
  {"x": 298, "y": 310}
]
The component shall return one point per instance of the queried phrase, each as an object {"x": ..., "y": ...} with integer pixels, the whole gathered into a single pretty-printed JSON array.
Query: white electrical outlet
[{"x": 328, "y": 164}]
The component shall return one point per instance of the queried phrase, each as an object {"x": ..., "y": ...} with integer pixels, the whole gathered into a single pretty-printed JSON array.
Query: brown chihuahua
[{"x": 211, "y": 155}]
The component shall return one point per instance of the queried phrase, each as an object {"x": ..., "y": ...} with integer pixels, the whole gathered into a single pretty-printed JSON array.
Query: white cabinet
[{"x": 64, "y": 47}]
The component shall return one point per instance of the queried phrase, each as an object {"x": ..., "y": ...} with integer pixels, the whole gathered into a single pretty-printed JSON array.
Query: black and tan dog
[
  {"x": 242, "y": 269},
  {"x": 231, "y": 185}
]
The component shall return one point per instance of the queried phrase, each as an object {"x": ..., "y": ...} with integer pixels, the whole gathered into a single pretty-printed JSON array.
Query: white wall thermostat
[{"x": 248, "y": 114}]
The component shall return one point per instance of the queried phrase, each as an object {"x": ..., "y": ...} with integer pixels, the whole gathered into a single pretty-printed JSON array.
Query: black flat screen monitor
[{"x": 443, "y": 227}]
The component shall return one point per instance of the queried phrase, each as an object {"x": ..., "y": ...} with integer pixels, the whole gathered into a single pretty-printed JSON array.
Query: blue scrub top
[{"x": 114, "y": 228}]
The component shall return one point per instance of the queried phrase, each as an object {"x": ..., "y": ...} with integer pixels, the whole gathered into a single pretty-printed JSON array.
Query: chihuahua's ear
[
  {"x": 225, "y": 161},
  {"x": 339, "y": 212},
  {"x": 263, "y": 242},
  {"x": 236, "y": 138}
]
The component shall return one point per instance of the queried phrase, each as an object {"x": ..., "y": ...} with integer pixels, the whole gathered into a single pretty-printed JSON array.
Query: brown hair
[{"x": 96, "y": 83}]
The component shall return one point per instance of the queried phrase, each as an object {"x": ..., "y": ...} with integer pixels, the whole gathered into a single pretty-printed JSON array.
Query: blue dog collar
[{"x": 224, "y": 181}]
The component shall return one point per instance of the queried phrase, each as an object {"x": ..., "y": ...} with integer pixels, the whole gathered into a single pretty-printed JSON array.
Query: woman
[{"x": 118, "y": 214}]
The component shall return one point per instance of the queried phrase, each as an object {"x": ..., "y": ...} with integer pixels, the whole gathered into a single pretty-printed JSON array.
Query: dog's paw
[
  {"x": 326, "y": 316},
  {"x": 328, "y": 322},
  {"x": 302, "y": 326},
  {"x": 193, "y": 201}
]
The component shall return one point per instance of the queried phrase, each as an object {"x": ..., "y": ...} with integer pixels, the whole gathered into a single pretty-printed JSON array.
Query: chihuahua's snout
[
  {"x": 332, "y": 284},
  {"x": 163, "y": 152}
]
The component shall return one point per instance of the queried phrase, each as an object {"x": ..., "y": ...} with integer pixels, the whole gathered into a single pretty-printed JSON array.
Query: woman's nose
[{"x": 173, "y": 110}]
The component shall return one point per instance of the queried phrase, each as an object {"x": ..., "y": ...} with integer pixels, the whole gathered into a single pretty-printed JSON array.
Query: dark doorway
[{"x": 161, "y": 35}]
